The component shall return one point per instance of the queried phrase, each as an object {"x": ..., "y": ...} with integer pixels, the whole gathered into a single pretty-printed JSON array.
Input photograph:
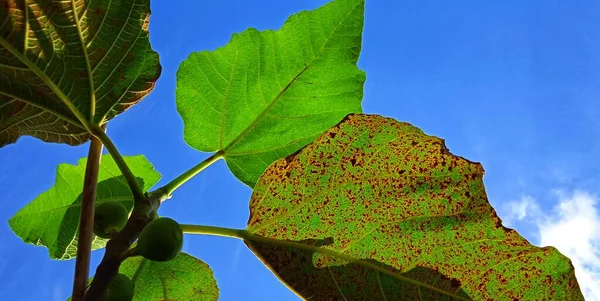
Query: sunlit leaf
[
  {"x": 91, "y": 55},
  {"x": 386, "y": 194},
  {"x": 52, "y": 219},
  {"x": 266, "y": 94},
  {"x": 180, "y": 279}
]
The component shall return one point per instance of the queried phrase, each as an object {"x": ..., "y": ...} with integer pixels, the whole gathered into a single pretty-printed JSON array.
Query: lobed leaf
[
  {"x": 266, "y": 94},
  {"x": 52, "y": 219},
  {"x": 61, "y": 61},
  {"x": 180, "y": 279},
  {"x": 394, "y": 199}
]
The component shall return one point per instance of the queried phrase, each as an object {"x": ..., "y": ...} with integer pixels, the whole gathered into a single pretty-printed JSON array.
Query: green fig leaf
[
  {"x": 267, "y": 94},
  {"x": 62, "y": 62},
  {"x": 182, "y": 278},
  {"x": 52, "y": 219},
  {"x": 412, "y": 219}
]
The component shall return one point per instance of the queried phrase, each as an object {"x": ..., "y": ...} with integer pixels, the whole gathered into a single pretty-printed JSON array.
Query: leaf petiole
[
  {"x": 249, "y": 237},
  {"x": 186, "y": 176},
  {"x": 129, "y": 253},
  {"x": 123, "y": 167}
]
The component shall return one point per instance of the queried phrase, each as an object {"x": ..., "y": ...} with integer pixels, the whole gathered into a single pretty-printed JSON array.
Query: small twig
[
  {"x": 120, "y": 244},
  {"x": 86, "y": 221}
]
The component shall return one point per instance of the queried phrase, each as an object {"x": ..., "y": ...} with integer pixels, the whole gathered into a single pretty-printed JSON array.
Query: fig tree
[
  {"x": 161, "y": 240},
  {"x": 109, "y": 217},
  {"x": 120, "y": 288}
]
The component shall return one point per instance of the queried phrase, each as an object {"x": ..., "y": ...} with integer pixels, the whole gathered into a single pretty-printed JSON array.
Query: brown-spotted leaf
[
  {"x": 386, "y": 194},
  {"x": 62, "y": 62}
]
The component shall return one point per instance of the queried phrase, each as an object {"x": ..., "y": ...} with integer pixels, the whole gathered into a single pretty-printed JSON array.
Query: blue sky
[{"x": 512, "y": 84}]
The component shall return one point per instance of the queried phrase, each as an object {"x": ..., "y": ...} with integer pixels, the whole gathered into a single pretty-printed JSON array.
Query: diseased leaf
[
  {"x": 92, "y": 55},
  {"x": 180, "y": 279},
  {"x": 52, "y": 219},
  {"x": 266, "y": 94},
  {"x": 384, "y": 193}
]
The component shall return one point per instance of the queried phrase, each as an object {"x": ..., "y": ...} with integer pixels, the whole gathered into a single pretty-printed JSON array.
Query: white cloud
[
  {"x": 519, "y": 210},
  {"x": 573, "y": 227}
]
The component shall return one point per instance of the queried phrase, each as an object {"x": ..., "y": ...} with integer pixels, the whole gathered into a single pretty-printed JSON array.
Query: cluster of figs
[{"x": 161, "y": 240}]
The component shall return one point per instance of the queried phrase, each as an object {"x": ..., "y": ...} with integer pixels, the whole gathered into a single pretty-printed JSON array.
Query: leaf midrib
[
  {"x": 335, "y": 187},
  {"x": 263, "y": 113},
  {"x": 57, "y": 91},
  {"x": 223, "y": 106},
  {"x": 250, "y": 237},
  {"x": 26, "y": 33},
  {"x": 66, "y": 207},
  {"x": 87, "y": 61},
  {"x": 47, "y": 109},
  {"x": 274, "y": 101}
]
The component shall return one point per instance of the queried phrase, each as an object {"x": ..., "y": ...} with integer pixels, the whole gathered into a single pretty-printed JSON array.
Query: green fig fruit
[
  {"x": 120, "y": 288},
  {"x": 161, "y": 240},
  {"x": 109, "y": 217}
]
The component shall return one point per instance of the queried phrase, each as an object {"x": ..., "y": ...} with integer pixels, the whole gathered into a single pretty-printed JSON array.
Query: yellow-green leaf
[{"x": 412, "y": 218}]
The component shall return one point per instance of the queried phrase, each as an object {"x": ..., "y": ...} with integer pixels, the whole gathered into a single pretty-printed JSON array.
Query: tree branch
[
  {"x": 86, "y": 221},
  {"x": 109, "y": 267}
]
